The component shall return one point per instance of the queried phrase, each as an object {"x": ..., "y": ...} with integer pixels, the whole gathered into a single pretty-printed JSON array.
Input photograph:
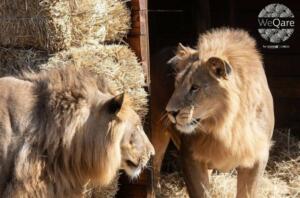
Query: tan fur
[
  {"x": 58, "y": 133},
  {"x": 232, "y": 109}
]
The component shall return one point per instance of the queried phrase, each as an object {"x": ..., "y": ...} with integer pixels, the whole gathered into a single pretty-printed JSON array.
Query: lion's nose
[
  {"x": 172, "y": 116},
  {"x": 151, "y": 151},
  {"x": 174, "y": 113}
]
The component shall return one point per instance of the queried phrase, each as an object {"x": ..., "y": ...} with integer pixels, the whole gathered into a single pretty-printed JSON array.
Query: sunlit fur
[
  {"x": 135, "y": 146},
  {"x": 235, "y": 113},
  {"x": 57, "y": 134}
]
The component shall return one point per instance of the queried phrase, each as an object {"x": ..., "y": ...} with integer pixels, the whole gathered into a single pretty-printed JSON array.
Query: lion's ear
[
  {"x": 219, "y": 68},
  {"x": 183, "y": 56},
  {"x": 115, "y": 104},
  {"x": 185, "y": 51}
]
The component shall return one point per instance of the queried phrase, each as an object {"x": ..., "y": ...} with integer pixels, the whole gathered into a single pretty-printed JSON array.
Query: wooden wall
[{"x": 138, "y": 37}]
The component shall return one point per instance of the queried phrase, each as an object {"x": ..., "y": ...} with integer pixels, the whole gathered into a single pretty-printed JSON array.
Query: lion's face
[
  {"x": 135, "y": 147},
  {"x": 199, "y": 92},
  {"x": 120, "y": 127}
]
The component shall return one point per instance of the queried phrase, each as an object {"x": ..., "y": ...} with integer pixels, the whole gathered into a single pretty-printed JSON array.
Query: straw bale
[
  {"x": 99, "y": 21},
  {"x": 116, "y": 62},
  {"x": 12, "y": 61},
  {"x": 43, "y": 24},
  {"x": 55, "y": 25}
]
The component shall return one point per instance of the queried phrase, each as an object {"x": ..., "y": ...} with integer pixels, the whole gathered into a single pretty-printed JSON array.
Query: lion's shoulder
[{"x": 15, "y": 93}]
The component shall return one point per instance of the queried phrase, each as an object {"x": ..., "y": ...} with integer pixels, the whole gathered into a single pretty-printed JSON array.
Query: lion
[
  {"x": 221, "y": 112},
  {"x": 63, "y": 129}
]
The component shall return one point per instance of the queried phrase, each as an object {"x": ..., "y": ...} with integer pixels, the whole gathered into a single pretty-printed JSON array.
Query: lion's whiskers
[
  {"x": 165, "y": 120},
  {"x": 191, "y": 113},
  {"x": 164, "y": 116}
]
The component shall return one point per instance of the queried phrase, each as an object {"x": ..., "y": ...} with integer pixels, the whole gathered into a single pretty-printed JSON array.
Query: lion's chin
[
  {"x": 188, "y": 128},
  {"x": 133, "y": 173}
]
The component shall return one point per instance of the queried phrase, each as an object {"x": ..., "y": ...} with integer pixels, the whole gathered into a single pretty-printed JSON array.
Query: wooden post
[{"x": 138, "y": 39}]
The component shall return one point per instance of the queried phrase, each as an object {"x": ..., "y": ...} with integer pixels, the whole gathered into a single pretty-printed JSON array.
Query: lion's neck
[{"x": 229, "y": 133}]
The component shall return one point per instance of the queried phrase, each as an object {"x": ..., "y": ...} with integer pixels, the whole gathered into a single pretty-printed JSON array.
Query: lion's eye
[{"x": 195, "y": 88}]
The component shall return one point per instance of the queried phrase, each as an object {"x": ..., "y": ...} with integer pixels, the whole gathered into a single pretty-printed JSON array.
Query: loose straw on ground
[{"x": 281, "y": 178}]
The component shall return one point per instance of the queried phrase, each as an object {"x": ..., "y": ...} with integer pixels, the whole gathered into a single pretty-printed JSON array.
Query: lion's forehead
[
  {"x": 184, "y": 74},
  {"x": 201, "y": 75},
  {"x": 195, "y": 73}
]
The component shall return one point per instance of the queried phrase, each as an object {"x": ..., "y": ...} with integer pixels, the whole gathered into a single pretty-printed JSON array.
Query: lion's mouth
[
  {"x": 189, "y": 127},
  {"x": 131, "y": 164},
  {"x": 197, "y": 120},
  {"x": 193, "y": 122},
  {"x": 132, "y": 169}
]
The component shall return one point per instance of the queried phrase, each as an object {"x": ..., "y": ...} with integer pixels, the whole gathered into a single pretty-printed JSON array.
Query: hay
[
  {"x": 281, "y": 179},
  {"x": 43, "y": 24},
  {"x": 103, "y": 20},
  {"x": 109, "y": 191},
  {"x": 117, "y": 62},
  {"x": 12, "y": 61},
  {"x": 172, "y": 185},
  {"x": 56, "y": 25}
]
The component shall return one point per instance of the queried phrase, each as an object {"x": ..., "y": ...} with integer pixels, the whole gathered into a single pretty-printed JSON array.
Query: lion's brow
[{"x": 186, "y": 72}]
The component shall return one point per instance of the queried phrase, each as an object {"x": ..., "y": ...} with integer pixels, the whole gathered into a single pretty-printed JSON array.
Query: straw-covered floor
[
  {"x": 281, "y": 179},
  {"x": 103, "y": 192}
]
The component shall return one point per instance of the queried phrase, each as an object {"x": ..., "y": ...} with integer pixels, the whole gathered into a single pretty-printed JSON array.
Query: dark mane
[{"x": 61, "y": 94}]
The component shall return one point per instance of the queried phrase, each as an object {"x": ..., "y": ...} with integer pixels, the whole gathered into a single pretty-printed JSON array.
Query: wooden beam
[{"x": 138, "y": 37}]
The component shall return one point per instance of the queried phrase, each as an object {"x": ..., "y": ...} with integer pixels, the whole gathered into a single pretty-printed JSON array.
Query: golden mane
[{"x": 243, "y": 98}]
